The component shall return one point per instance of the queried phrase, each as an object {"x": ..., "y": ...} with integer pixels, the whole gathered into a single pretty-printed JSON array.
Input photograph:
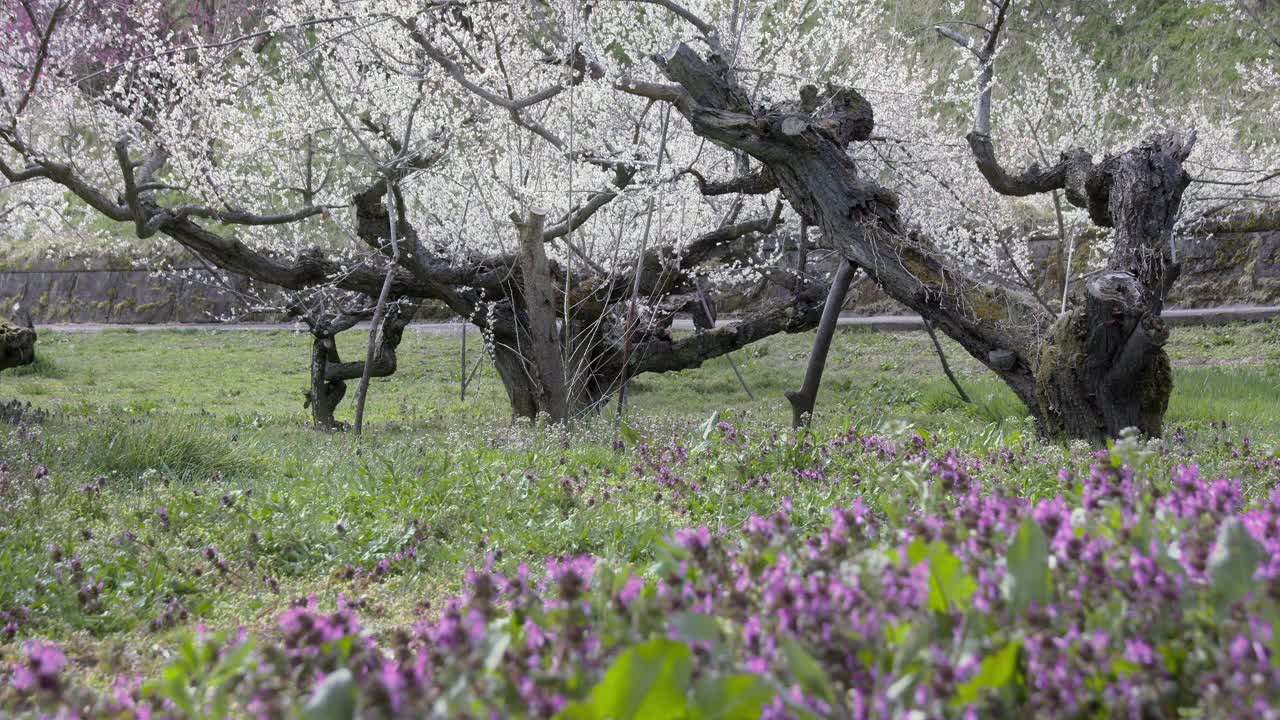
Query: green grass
[
  {"x": 210, "y": 426},
  {"x": 180, "y": 450},
  {"x": 43, "y": 366},
  {"x": 256, "y": 378}
]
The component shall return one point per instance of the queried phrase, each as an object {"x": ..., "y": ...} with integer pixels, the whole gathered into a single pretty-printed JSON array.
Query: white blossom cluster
[{"x": 493, "y": 108}]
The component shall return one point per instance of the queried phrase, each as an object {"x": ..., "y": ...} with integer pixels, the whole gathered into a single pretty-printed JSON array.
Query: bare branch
[
  {"x": 708, "y": 31},
  {"x": 579, "y": 215},
  {"x": 31, "y": 172},
  {"x": 240, "y": 216},
  {"x": 42, "y": 54},
  {"x": 460, "y": 76}
]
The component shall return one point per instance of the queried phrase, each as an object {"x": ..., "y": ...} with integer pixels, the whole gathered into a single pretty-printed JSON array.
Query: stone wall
[
  {"x": 1221, "y": 269},
  {"x": 55, "y": 295},
  {"x": 1236, "y": 268}
]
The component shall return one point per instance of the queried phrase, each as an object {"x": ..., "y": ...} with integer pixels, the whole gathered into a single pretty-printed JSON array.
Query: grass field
[
  {"x": 258, "y": 377},
  {"x": 172, "y": 452}
]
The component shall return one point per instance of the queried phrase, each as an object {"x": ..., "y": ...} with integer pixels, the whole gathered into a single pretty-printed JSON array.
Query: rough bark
[
  {"x": 384, "y": 360},
  {"x": 325, "y": 394},
  {"x": 514, "y": 373},
  {"x": 803, "y": 400},
  {"x": 17, "y": 345},
  {"x": 1104, "y": 367},
  {"x": 805, "y": 152},
  {"x": 546, "y": 363},
  {"x": 662, "y": 353}
]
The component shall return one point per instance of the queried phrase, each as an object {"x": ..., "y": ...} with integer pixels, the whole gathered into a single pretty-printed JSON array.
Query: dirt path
[{"x": 1184, "y": 317}]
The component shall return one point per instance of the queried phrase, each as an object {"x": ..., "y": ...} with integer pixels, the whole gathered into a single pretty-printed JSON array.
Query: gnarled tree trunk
[
  {"x": 325, "y": 394},
  {"x": 516, "y": 380},
  {"x": 1103, "y": 367},
  {"x": 329, "y": 375},
  {"x": 591, "y": 388},
  {"x": 1089, "y": 374}
]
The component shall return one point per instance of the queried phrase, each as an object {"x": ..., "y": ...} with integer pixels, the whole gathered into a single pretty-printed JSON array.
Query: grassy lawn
[
  {"x": 258, "y": 377},
  {"x": 201, "y": 444}
]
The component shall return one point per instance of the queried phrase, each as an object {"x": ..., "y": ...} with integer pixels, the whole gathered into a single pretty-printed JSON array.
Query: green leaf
[
  {"x": 806, "y": 670},
  {"x": 909, "y": 641},
  {"x": 949, "y": 585},
  {"x": 1123, "y": 667},
  {"x": 1274, "y": 617},
  {"x": 995, "y": 672},
  {"x": 896, "y": 633},
  {"x": 333, "y": 699},
  {"x": 233, "y": 663},
  {"x": 1027, "y": 568},
  {"x": 709, "y": 426},
  {"x": 649, "y": 680},
  {"x": 731, "y": 697},
  {"x": 497, "y": 650},
  {"x": 696, "y": 627},
  {"x": 900, "y": 686},
  {"x": 629, "y": 434},
  {"x": 172, "y": 686},
  {"x": 1234, "y": 559}
]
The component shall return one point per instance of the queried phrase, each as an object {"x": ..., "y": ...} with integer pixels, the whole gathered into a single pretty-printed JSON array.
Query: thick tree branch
[
  {"x": 760, "y": 182},
  {"x": 799, "y": 313}
]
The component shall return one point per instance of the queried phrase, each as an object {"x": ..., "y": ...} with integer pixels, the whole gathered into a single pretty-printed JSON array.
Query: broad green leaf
[
  {"x": 895, "y": 633},
  {"x": 900, "y": 686},
  {"x": 1173, "y": 656},
  {"x": 649, "y": 680},
  {"x": 697, "y": 627},
  {"x": 1275, "y": 638},
  {"x": 333, "y": 699},
  {"x": 807, "y": 671},
  {"x": 1027, "y": 568},
  {"x": 949, "y": 585},
  {"x": 629, "y": 434},
  {"x": 496, "y": 651},
  {"x": 995, "y": 672},
  {"x": 709, "y": 426},
  {"x": 1234, "y": 559},
  {"x": 1123, "y": 667},
  {"x": 233, "y": 663},
  {"x": 731, "y": 697}
]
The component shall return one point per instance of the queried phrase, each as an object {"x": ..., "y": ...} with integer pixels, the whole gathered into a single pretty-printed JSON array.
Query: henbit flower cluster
[{"x": 1135, "y": 593}]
